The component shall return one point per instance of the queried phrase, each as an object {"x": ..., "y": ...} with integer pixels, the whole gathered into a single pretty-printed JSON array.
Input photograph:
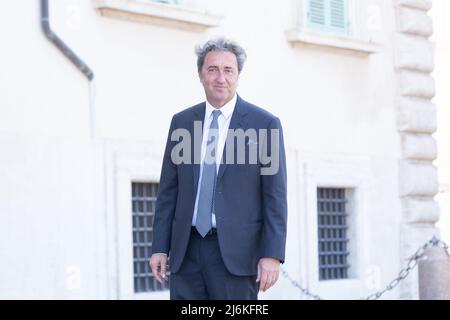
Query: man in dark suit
[{"x": 221, "y": 210}]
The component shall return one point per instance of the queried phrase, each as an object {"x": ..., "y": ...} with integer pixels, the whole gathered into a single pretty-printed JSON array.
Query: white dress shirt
[{"x": 224, "y": 123}]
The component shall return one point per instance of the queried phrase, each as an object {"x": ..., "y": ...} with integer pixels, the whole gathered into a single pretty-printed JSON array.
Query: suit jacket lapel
[
  {"x": 199, "y": 115},
  {"x": 237, "y": 121}
]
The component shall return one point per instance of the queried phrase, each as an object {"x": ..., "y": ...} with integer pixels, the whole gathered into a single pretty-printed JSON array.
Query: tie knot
[{"x": 216, "y": 114}]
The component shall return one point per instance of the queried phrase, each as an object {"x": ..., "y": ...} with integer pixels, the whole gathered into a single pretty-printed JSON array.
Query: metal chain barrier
[
  {"x": 412, "y": 263},
  {"x": 295, "y": 284}
]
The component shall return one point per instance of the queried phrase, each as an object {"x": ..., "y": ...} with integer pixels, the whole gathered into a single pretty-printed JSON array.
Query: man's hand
[
  {"x": 268, "y": 270},
  {"x": 158, "y": 263}
]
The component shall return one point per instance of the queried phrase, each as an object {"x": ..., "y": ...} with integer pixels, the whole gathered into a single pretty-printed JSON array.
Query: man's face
[{"x": 219, "y": 76}]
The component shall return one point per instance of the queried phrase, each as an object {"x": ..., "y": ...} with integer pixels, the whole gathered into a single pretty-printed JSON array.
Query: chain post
[{"x": 403, "y": 273}]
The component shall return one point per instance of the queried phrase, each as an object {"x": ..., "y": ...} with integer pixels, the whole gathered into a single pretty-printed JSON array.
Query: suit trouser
[{"x": 203, "y": 275}]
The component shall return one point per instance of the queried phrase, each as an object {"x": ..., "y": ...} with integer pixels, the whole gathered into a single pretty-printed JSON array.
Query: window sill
[
  {"x": 155, "y": 13},
  {"x": 333, "y": 41}
]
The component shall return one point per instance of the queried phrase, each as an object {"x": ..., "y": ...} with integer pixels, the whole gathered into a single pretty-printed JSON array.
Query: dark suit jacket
[{"x": 250, "y": 208}]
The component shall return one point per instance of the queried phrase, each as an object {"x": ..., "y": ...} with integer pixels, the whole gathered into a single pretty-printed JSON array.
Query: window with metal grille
[
  {"x": 143, "y": 202},
  {"x": 333, "y": 241}
]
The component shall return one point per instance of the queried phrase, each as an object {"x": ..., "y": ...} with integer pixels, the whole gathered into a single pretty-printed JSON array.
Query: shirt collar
[{"x": 227, "y": 109}]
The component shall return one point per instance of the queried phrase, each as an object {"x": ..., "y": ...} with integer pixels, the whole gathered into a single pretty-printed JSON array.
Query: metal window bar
[
  {"x": 143, "y": 206},
  {"x": 332, "y": 234}
]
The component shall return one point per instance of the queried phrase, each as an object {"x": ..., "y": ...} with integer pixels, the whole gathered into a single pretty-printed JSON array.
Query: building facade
[{"x": 81, "y": 153}]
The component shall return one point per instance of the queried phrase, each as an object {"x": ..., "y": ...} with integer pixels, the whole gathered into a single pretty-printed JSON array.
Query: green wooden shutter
[
  {"x": 316, "y": 12},
  {"x": 338, "y": 15},
  {"x": 328, "y": 15}
]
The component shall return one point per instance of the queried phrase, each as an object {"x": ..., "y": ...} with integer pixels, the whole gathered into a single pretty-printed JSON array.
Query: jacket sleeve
[
  {"x": 166, "y": 199},
  {"x": 274, "y": 194}
]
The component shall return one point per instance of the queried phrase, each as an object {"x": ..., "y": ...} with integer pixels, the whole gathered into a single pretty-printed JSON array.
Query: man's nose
[{"x": 221, "y": 77}]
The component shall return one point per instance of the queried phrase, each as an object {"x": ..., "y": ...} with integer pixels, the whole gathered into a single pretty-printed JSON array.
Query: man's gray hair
[{"x": 221, "y": 44}]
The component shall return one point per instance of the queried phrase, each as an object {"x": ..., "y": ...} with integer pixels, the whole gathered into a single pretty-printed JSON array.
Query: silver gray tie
[{"x": 208, "y": 182}]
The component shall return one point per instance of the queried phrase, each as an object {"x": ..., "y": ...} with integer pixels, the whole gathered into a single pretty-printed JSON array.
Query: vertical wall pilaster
[{"x": 414, "y": 62}]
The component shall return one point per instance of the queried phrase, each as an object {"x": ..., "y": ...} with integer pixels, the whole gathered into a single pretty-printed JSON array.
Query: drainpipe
[{"x": 73, "y": 57}]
